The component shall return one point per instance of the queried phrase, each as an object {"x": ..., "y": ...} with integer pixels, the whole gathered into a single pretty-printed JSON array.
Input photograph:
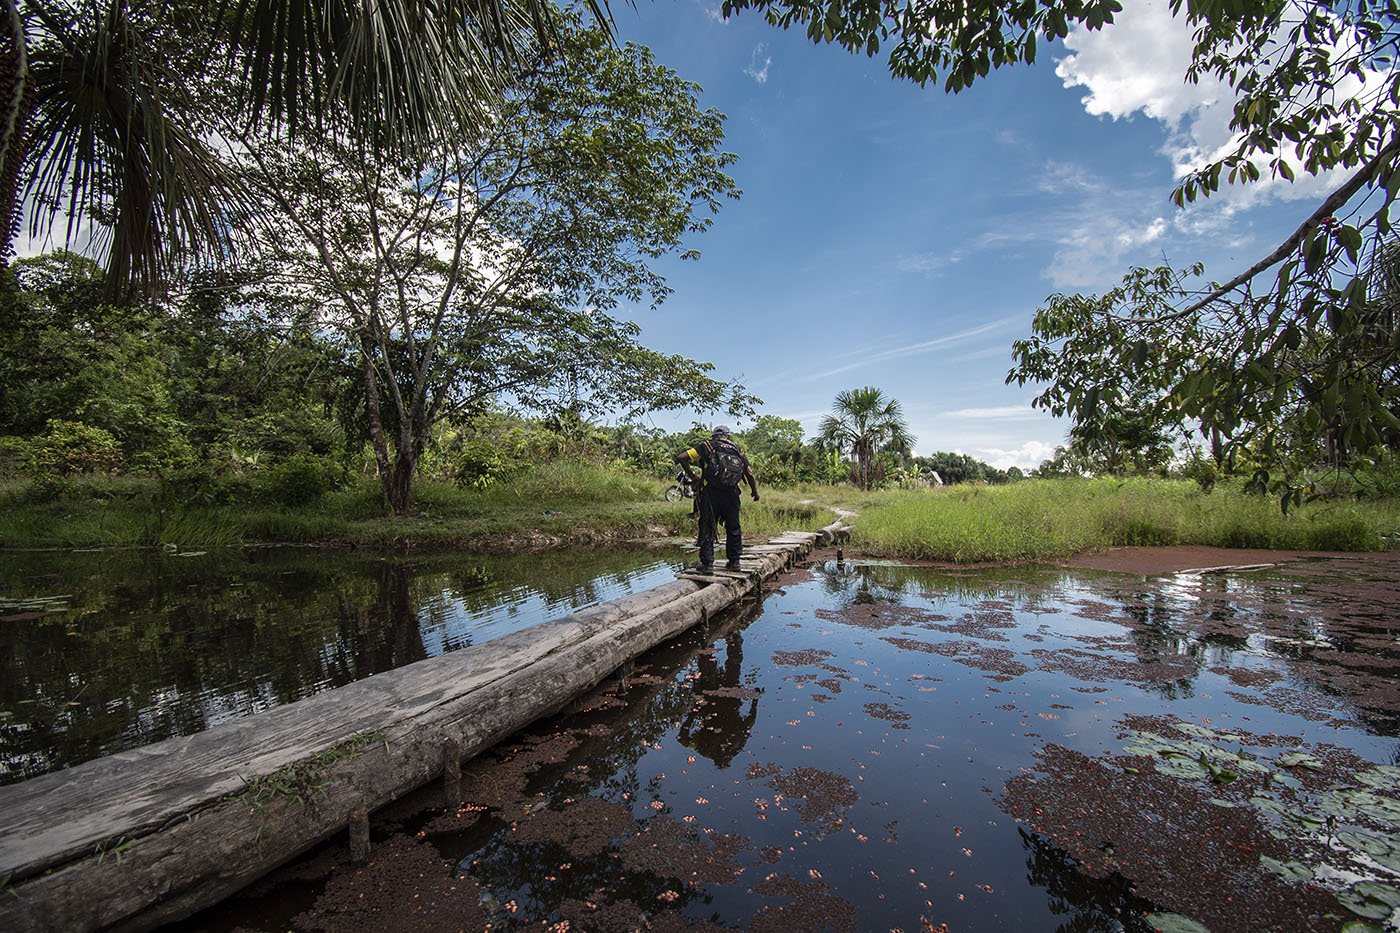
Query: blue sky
[{"x": 902, "y": 238}]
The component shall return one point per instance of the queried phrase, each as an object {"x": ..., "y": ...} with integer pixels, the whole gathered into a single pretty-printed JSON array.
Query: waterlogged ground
[
  {"x": 888, "y": 748},
  {"x": 106, "y": 650}
]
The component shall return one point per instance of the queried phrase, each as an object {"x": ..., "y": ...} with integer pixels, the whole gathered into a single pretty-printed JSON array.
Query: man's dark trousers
[{"x": 720, "y": 504}]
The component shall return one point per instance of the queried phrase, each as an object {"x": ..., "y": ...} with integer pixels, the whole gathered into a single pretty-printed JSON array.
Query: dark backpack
[{"x": 727, "y": 463}]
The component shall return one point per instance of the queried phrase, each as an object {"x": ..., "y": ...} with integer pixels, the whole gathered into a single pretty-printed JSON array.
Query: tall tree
[
  {"x": 489, "y": 265},
  {"x": 865, "y": 422}
]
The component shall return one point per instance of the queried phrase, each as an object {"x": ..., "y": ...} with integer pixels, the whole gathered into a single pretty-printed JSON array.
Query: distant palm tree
[
  {"x": 119, "y": 91},
  {"x": 865, "y": 422}
]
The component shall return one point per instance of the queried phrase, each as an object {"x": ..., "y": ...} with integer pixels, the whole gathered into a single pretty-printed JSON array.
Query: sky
[{"x": 900, "y": 237}]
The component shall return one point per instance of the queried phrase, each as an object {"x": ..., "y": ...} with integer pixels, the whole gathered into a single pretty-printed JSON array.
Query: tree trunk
[{"x": 377, "y": 438}]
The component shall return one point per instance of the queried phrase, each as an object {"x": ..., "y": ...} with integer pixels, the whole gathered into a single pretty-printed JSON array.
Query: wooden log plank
[
  {"x": 66, "y": 814},
  {"x": 165, "y": 876},
  {"x": 203, "y": 836}
]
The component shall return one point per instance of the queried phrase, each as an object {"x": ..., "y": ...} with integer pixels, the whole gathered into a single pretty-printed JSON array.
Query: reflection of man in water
[{"x": 716, "y": 728}]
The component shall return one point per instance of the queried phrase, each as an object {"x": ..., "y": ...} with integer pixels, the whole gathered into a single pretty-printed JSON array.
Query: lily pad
[
  {"x": 1191, "y": 728},
  {"x": 1365, "y": 842},
  {"x": 1174, "y": 923},
  {"x": 1299, "y": 760},
  {"x": 1370, "y": 899},
  {"x": 1291, "y": 871}
]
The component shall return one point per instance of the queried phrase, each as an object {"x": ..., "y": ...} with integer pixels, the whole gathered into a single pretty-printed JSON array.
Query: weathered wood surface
[{"x": 153, "y": 834}]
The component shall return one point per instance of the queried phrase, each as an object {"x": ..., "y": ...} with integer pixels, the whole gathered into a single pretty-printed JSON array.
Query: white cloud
[
  {"x": 916, "y": 349},
  {"x": 1088, "y": 254},
  {"x": 1028, "y": 456},
  {"x": 1138, "y": 65},
  {"x": 758, "y": 64},
  {"x": 715, "y": 13},
  {"x": 999, "y": 413}
]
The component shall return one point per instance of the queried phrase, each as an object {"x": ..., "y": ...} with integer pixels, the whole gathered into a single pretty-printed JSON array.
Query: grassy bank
[
  {"x": 1044, "y": 519},
  {"x": 569, "y": 503},
  {"x": 559, "y": 502}
]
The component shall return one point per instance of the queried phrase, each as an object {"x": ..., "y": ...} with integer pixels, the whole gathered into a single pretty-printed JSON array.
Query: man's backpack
[{"x": 727, "y": 463}]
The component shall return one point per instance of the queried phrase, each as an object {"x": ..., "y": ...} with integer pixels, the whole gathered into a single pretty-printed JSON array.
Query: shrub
[
  {"x": 14, "y": 456},
  {"x": 204, "y": 486},
  {"x": 68, "y": 447},
  {"x": 299, "y": 480},
  {"x": 480, "y": 464}
]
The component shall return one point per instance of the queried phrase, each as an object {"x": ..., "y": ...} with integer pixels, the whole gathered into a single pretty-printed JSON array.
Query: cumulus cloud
[
  {"x": 1138, "y": 65},
  {"x": 1028, "y": 456},
  {"x": 759, "y": 62}
]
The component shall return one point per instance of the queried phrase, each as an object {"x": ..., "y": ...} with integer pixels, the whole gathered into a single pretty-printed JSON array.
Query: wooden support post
[
  {"x": 451, "y": 774},
  {"x": 359, "y": 835}
]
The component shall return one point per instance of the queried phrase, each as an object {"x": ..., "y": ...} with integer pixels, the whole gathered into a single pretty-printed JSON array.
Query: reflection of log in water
[
  {"x": 1092, "y": 904},
  {"x": 191, "y": 831}
]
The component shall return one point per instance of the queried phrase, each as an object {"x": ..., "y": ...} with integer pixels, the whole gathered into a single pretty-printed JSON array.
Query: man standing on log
[{"x": 723, "y": 466}]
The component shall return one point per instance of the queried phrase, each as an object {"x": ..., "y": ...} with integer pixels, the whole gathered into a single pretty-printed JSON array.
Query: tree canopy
[
  {"x": 1307, "y": 333},
  {"x": 865, "y": 422},
  {"x": 485, "y": 267},
  {"x": 121, "y": 92}
]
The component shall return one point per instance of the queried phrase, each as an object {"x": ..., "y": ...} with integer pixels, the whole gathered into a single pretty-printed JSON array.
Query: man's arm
[
  {"x": 753, "y": 481},
  {"x": 684, "y": 458}
]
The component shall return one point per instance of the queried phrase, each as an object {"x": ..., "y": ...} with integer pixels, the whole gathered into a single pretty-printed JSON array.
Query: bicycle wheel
[{"x": 673, "y": 493}]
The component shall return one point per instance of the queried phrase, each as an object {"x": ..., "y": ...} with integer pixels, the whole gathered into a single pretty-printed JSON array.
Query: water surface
[
  {"x": 888, "y": 748},
  {"x": 109, "y": 650}
]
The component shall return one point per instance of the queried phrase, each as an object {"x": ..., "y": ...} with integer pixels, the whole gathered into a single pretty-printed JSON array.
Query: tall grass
[
  {"x": 577, "y": 501},
  {"x": 564, "y": 501},
  {"x": 1043, "y": 519}
]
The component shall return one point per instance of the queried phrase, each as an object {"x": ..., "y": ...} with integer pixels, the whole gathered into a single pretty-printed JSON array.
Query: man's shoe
[
  {"x": 731, "y": 565},
  {"x": 705, "y": 568}
]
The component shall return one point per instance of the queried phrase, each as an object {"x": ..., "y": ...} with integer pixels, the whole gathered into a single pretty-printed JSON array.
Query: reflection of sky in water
[
  {"x": 448, "y": 622},
  {"x": 851, "y": 738}
]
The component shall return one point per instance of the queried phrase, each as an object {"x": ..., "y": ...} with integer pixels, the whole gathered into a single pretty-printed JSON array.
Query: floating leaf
[
  {"x": 1299, "y": 760},
  {"x": 1174, "y": 923},
  {"x": 1360, "y": 926},
  {"x": 1364, "y": 842},
  {"x": 1378, "y": 779},
  {"x": 1370, "y": 899},
  {"x": 1191, "y": 728},
  {"x": 1292, "y": 871}
]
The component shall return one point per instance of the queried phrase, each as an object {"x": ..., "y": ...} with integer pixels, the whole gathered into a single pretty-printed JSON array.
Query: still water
[
  {"x": 890, "y": 748},
  {"x": 110, "y": 650}
]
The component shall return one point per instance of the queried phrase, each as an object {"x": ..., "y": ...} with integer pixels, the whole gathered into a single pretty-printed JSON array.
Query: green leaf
[
  {"x": 1174, "y": 923},
  {"x": 1291, "y": 871},
  {"x": 1298, "y": 760}
]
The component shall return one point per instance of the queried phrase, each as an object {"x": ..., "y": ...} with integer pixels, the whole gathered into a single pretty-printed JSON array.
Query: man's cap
[{"x": 720, "y": 431}]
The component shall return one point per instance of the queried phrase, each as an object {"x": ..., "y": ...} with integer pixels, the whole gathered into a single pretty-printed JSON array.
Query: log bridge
[{"x": 152, "y": 835}]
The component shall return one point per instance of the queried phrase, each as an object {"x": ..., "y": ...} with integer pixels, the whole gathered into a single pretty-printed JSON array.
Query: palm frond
[{"x": 114, "y": 145}]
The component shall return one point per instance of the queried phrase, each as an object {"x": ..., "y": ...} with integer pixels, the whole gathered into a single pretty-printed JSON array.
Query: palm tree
[
  {"x": 117, "y": 87},
  {"x": 865, "y": 422}
]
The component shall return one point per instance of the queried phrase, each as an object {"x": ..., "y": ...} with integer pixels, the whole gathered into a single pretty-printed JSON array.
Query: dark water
[
  {"x": 110, "y": 650},
  {"x": 889, "y": 748}
]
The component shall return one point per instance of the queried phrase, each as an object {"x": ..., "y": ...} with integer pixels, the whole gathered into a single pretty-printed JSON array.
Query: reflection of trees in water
[
  {"x": 1222, "y": 621},
  {"x": 853, "y": 582},
  {"x": 1089, "y": 905},
  {"x": 163, "y": 646}
]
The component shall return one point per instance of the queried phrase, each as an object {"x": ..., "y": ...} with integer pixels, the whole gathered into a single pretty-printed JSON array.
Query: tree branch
[{"x": 1334, "y": 201}]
